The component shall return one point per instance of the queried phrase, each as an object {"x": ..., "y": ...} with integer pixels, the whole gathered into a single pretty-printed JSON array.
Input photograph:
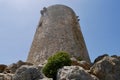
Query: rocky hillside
[{"x": 103, "y": 68}]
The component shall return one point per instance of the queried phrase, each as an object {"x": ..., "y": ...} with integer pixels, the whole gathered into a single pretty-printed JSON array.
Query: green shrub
[
  {"x": 55, "y": 62},
  {"x": 79, "y": 58}
]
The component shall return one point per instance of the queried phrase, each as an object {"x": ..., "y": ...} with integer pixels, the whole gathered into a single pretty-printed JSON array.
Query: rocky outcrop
[
  {"x": 7, "y": 76},
  {"x": 22, "y": 71},
  {"x": 2, "y": 67},
  {"x": 27, "y": 73},
  {"x": 14, "y": 66},
  {"x": 83, "y": 64},
  {"x": 46, "y": 79},
  {"x": 7, "y": 72},
  {"x": 58, "y": 30},
  {"x": 100, "y": 57},
  {"x": 107, "y": 68},
  {"x": 74, "y": 73}
]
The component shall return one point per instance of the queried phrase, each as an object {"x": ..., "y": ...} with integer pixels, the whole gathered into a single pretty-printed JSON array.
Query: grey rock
[
  {"x": 46, "y": 79},
  {"x": 83, "y": 64},
  {"x": 2, "y": 67},
  {"x": 73, "y": 59},
  {"x": 100, "y": 57},
  {"x": 28, "y": 73},
  {"x": 107, "y": 68},
  {"x": 6, "y": 76},
  {"x": 14, "y": 66},
  {"x": 115, "y": 56},
  {"x": 11, "y": 68},
  {"x": 74, "y": 73},
  {"x": 20, "y": 63},
  {"x": 1, "y": 76}
]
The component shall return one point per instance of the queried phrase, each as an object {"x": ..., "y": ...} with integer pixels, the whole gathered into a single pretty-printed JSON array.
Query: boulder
[
  {"x": 46, "y": 79},
  {"x": 2, "y": 67},
  {"x": 20, "y": 63},
  {"x": 74, "y": 73},
  {"x": 1, "y": 76},
  {"x": 100, "y": 57},
  {"x": 8, "y": 76},
  {"x": 14, "y": 66},
  {"x": 115, "y": 56},
  {"x": 83, "y": 64},
  {"x": 41, "y": 65},
  {"x": 27, "y": 73},
  {"x": 11, "y": 68},
  {"x": 107, "y": 68},
  {"x": 74, "y": 61},
  {"x": 5, "y": 76}
]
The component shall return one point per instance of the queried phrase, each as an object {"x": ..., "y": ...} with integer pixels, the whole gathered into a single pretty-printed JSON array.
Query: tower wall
[{"x": 58, "y": 30}]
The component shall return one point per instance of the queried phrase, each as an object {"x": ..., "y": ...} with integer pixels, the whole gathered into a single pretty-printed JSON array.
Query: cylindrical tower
[{"x": 58, "y": 30}]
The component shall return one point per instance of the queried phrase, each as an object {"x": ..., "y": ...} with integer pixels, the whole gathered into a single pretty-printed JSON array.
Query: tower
[{"x": 58, "y": 30}]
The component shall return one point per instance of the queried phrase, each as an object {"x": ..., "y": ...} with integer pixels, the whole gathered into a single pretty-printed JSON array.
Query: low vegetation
[{"x": 58, "y": 60}]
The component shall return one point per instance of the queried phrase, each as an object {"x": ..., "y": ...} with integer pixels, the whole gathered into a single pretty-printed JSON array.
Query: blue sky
[{"x": 99, "y": 20}]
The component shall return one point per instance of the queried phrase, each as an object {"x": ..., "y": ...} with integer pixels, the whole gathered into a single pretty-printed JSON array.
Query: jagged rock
[
  {"x": 8, "y": 77},
  {"x": 28, "y": 73},
  {"x": 83, "y": 64},
  {"x": 74, "y": 73},
  {"x": 14, "y": 66},
  {"x": 46, "y": 79},
  {"x": 1, "y": 76},
  {"x": 11, "y": 68},
  {"x": 2, "y": 67},
  {"x": 100, "y": 57},
  {"x": 73, "y": 59},
  {"x": 115, "y": 56},
  {"x": 20, "y": 63},
  {"x": 43, "y": 64},
  {"x": 5, "y": 76},
  {"x": 107, "y": 68}
]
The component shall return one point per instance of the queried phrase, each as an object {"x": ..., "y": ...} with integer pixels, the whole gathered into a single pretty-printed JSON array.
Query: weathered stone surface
[
  {"x": 20, "y": 63},
  {"x": 46, "y": 79},
  {"x": 107, "y": 68},
  {"x": 14, "y": 66},
  {"x": 100, "y": 57},
  {"x": 28, "y": 73},
  {"x": 6, "y": 76},
  {"x": 1, "y": 76},
  {"x": 11, "y": 68},
  {"x": 58, "y": 30},
  {"x": 2, "y": 67},
  {"x": 83, "y": 64},
  {"x": 74, "y": 73}
]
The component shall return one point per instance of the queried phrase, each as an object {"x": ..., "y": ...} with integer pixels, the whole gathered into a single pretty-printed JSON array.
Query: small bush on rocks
[
  {"x": 55, "y": 62},
  {"x": 79, "y": 58}
]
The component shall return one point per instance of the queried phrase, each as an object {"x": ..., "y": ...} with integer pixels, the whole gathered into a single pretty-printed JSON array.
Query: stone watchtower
[{"x": 58, "y": 30}]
